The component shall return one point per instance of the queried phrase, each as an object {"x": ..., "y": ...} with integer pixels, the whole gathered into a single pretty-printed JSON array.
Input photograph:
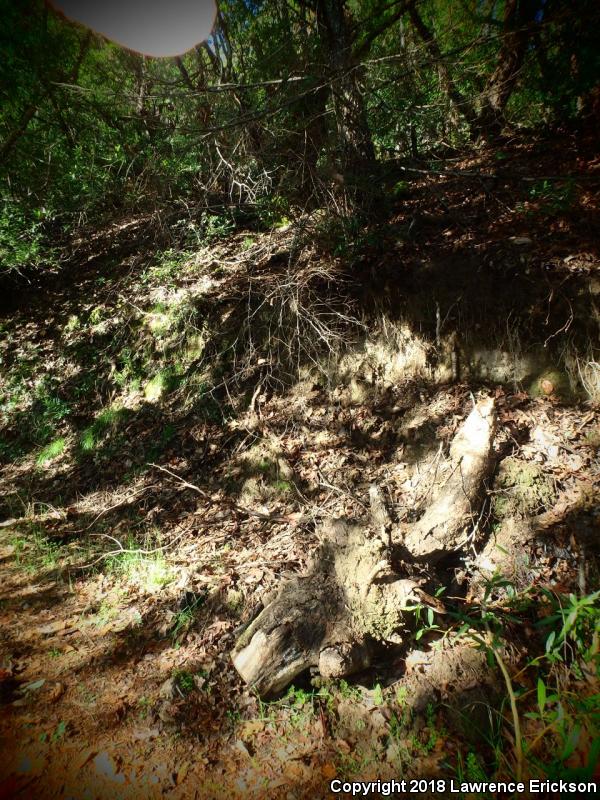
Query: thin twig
[{"x": 132, "y": 551}]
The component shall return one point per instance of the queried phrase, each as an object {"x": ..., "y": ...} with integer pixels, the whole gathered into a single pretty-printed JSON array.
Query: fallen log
[{"x": 352, "y": 599}]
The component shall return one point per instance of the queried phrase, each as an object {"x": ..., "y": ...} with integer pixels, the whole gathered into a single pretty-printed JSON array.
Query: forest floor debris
[{"x": 124, "y": 589}]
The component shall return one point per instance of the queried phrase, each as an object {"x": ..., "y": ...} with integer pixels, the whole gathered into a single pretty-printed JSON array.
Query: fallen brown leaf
[{"x": 328, "y": 771}]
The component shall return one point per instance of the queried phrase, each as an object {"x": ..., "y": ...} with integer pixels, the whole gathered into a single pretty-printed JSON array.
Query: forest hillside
[{"x": 300, "y": 402}]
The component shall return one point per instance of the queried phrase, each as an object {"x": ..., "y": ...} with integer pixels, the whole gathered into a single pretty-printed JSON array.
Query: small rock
[
  {"x": 167, "y": 689},
  {"x": 240, "y": 747},
  {"x": 167, "y": 713}
]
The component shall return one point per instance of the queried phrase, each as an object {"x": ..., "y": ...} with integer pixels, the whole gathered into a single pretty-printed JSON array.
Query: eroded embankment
[{"x": 244, "y": 372}]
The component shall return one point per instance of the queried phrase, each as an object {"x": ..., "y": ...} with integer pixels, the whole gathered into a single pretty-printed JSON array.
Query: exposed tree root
[
  {"x": 352, "y": 598},
  {"x": 443, "y": 527}
]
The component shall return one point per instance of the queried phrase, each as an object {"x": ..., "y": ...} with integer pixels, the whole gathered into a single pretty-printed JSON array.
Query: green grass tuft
[{"x": 51, "y": 451}]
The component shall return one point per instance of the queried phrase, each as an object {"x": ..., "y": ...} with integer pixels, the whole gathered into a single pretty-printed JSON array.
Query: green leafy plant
[
  {"x": 273, "y": 210},
  {"x": 425, "y": 625},
  {"x": 575, "y": 623},
  {"x": 555, "y": 197},
  {"x": 216, "y": 226},
  {"x": 572, "y": 642},
  {"x": 301, "y": 704},
  {"x": 348, "y": 691},
  {"x": 22, "y": 240},
  {"x": 184, "y": 681}
]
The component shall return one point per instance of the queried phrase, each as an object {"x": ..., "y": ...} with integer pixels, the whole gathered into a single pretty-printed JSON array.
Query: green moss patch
[
  {"x": 521, "y": 489},
  {"x": 551, "y": 383}
]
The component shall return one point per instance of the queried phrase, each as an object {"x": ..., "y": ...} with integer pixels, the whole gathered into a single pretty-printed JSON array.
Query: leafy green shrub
[
  {"x": 21, "y": 238},
  {"x": 216, "y": 226},
  {"x": 184, "y": 681},
  {"x": 574, "y": 624},
  {"x": 273, "y": 210}
]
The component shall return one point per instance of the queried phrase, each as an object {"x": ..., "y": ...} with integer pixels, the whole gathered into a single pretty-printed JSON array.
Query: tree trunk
[
  {"x": 518, "y": 29},
  {"x": 13, "y": 138},
  {"x": 444, "y": 526},
  {"x": 459, "y": 101},
  {"x": 328, "y": 617},
  {"x": 487, "y": 119},
  {"x": 357, "y": 156},
  {"x": 30, "y": 112}
]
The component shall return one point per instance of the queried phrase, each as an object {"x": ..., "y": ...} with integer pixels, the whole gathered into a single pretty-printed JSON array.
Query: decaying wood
[
  {"x": 444, "y": 526},
  {"x": 327, "y": 618},
  {"x": 351, "y": 598}
]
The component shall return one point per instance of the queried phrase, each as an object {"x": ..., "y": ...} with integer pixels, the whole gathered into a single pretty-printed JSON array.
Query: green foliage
[
  {"x": 570, "y": 627},
  {"x": 51, "y": 451},
  {"x": 553, "y": 197},
  {"x": 33, "y": 411},
  {"x": 215, "y": 226},
  {"x": 401, "y": 189},
  {"x": 35, "y": 551},
  {"x": 161, "y": 384},
  {"x": 184, "y": 619},
  {"x": 90, "y": 129},
  {"x": 424, "y": 621},
  {"x": 184, "y": 681},
  {"x": 349, "y": 692},
  {"x": 130, "y": 369},
  {"x": 273, "y": 211},
  {"x": 106, "y": 422},
  {"x": 378, "y": 695},
  {"x": 471, "y": 769},
  {"x": 169, "y": 264},
  {"x": 22, "y": 241},
  {"x": 574, "y": 624}
]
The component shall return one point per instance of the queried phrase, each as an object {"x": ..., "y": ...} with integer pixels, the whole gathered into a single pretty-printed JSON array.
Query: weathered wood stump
[
  {"x": 351, "y": 598},
  {"x": 327, "y": 617}
]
